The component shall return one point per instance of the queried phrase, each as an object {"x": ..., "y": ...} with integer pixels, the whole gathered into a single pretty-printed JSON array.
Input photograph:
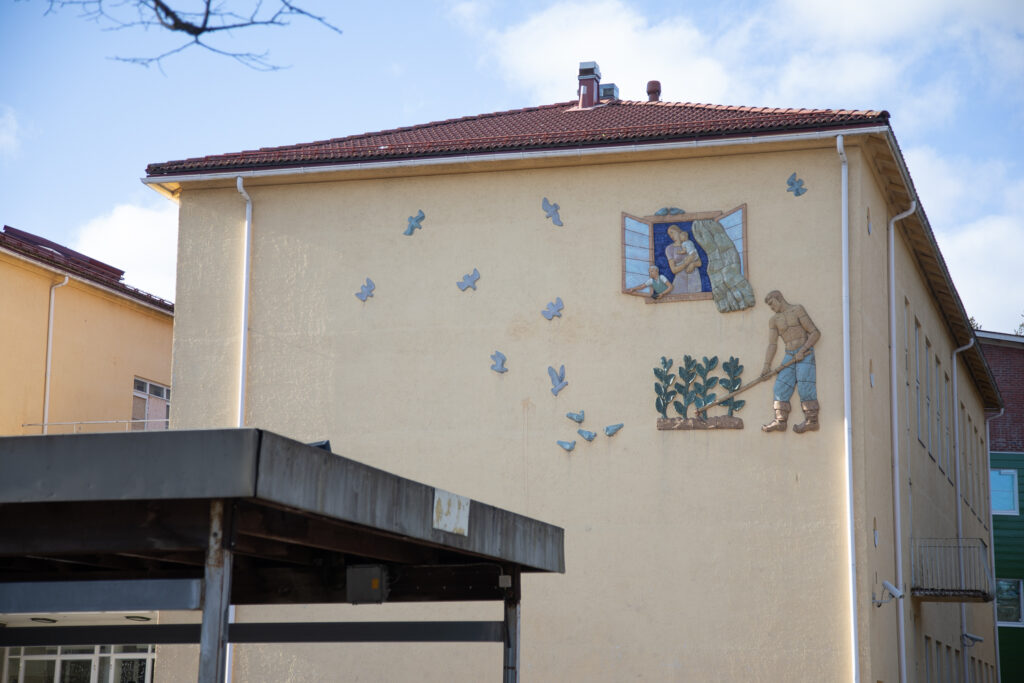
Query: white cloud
[
  {"x": 983, "y": 257},
  {"x": 918, "y": 58},
  {"x": 141, "y": 240},
  {"x": 958, "y": 186},
  {"x": 8, "y": 132},
  {"x": 976, "y": 208},
  {"x": 541, "y": 55}
]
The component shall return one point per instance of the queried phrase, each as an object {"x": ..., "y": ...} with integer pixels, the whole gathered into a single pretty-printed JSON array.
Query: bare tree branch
[{"x": 211, "y": 18}]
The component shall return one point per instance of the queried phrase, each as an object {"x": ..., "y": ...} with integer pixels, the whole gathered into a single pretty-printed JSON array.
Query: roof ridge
[
  {"x": 418, "y": 126},
  {"x": 557, "y": 124}
]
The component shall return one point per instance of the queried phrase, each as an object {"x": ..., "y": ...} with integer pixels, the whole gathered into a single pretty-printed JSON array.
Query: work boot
[
  {"x": 810, "y": 423},
  {"x": 782, "y": 409}
]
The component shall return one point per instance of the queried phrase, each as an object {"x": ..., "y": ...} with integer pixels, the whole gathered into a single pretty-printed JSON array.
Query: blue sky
[{"x": 78, "y": 128}]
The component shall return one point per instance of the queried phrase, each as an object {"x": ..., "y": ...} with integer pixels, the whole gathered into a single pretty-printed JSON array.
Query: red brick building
[{"x": 1005, "y": 355}]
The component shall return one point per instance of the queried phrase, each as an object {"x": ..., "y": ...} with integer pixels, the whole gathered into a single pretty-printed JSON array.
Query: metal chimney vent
[{"x": 609, "y": 91}]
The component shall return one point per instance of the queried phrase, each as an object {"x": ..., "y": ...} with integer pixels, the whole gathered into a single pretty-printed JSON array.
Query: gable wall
[{"x": 686, "y": 552}]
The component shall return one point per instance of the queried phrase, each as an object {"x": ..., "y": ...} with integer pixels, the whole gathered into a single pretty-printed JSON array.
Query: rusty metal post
[
  {"x": 216, "y": 600},
  {"x": 512, "y": 617}
]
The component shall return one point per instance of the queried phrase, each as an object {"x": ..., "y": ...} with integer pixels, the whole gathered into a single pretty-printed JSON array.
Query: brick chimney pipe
[
  {"x": 653, "y": 91},
  {"x": 590, "y": 84}
]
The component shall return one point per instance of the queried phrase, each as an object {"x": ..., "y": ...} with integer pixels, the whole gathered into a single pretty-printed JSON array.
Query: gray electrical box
[{"x": 366, "y": 583}]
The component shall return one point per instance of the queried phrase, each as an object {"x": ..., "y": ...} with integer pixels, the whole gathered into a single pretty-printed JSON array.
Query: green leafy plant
[
  {"x": 695, "y": 385},
  {"x": 663, "y": 387},
  {"x": 702, "y": 390},
  {"x": 687, "y": 373},
  {"x": 732, "y": 383}
]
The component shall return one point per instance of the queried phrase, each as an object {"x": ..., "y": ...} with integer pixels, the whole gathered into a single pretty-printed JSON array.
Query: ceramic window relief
[{"x": 683, "y": 256}]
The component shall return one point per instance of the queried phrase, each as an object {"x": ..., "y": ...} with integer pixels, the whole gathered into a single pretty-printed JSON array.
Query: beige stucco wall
[
  {"x": 689, "y": 555},
  {"x": 101, "y": 342},
  {"x": 928, "y": 497}
]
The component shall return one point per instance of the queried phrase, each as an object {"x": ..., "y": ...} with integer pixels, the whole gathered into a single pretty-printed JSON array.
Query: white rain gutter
[
  {"x": 49, "y": 354},
  {"x": 959, "y": 505},
  {"x": 897, "y": 481},
  {"x": 159, "y": 182},
  {"x": 992, "y": 544},
  {"x": 848, "y": 407},
  {"x": 245, "y": 301}
]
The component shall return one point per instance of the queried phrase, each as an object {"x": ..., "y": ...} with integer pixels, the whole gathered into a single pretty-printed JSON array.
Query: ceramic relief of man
[{"x": 799, "y": 334}]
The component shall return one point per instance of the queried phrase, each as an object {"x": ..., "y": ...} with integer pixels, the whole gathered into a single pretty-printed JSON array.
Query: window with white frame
[
  {"x": 78, "y": 664},
  {"x": 151, "y": 405},
  {"x": 1003, "y": 487},
  {"x": 1008, "y": 602}
]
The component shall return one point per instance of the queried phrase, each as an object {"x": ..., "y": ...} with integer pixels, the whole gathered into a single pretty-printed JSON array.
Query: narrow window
[
  {"x": 939, "y": 446},
  {"x": 151, "y": 405},
  {"x": 928, "y": 660},
  {"x": 949, "y": 419},
  {"x": 916, "y": 375},
  {"x": 1008, "y": 605},
  {"x": 928, "y": 398}
]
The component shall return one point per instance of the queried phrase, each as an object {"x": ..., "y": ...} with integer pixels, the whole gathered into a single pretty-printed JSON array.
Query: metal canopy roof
[{"x": 201, "y": 519}]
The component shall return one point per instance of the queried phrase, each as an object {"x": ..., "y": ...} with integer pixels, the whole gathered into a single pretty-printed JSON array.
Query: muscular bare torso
[{"x": 794, "y": 326}]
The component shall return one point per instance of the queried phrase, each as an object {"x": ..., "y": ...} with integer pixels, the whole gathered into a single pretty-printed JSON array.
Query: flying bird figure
[
  {"x": 414, "y": 222},
  {"x": 557, "y": 379},
  {"x": 612, "y": 430},
  {"x": 499, "y": 362},
  {"x": 552, "y": 211},
  {"x": 586, "y": 434},
  {"x": 567, "y": 445},
  {"x": 554, "y": 309},
  {"x": 469, "y": 280},
  {"x": 795, "y": 186},
  {"x": 575, "y": 417},
  {"x": 366, "y": 291}
]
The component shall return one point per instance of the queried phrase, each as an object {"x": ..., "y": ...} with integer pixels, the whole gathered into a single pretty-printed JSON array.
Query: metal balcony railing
[
  {"x": 951, "y": 570},
  {"x": 80, "y": 426}
]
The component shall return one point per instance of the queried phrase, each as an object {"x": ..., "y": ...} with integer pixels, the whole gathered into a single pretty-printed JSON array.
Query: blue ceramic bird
[
  {"x": 612, "y": 430},
  {"x": 588, "y": 435},
  {"x": 557, "y": 379},
  {"x": 552, "y": 211},
  {"x": 414, "y": 222},
  {"x": 469, "y": 280},
  {"x": 567, "y": 445},
  {"x": 795, "y": 186},
  {"x": 499, "y": 362},
  {"x": 554, "y": 309},
  {"x": 366, "y": 291},
  {"x": 575, "y": 417}
]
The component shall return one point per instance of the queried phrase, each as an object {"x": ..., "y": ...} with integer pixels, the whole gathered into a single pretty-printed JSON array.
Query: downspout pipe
[
  {"x": 894, "y": 421},
  {"x": 49, "y": 355},
  {"x": 847, "y": 406},
  {"x": 959, "y": 506},
  {"x": 245, "y": 301},
  {"x": 992, "y": 543}
]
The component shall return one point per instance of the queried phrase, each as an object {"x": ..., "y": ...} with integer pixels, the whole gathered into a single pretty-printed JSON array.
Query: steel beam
[
  {"x": 511, "y": 639},
  {"x": 216, "y": 600},
  {"x": 99, "y": 596},
  {"x": 310, "y": 632}
]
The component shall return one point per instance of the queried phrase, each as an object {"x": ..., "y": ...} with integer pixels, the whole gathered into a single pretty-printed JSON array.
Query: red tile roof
[
  {"x": 547, "y": 127},
  {"x": 74, "y": 263}
]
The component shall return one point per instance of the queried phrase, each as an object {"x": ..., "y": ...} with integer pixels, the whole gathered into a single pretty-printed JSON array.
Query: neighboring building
[
  {"x": 1005, "y": 355},
  {"x": 437, "y": 300},
  {"x": 84, "y": 351}
]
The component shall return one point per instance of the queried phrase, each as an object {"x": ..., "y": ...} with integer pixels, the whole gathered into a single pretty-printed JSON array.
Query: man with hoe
[{"x": 799, "y": 334}]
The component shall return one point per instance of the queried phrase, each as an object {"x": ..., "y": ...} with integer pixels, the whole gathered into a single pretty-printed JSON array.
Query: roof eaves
[
  {"x": 945, "y": 294},
  {"x": 642, "y": 134}
]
